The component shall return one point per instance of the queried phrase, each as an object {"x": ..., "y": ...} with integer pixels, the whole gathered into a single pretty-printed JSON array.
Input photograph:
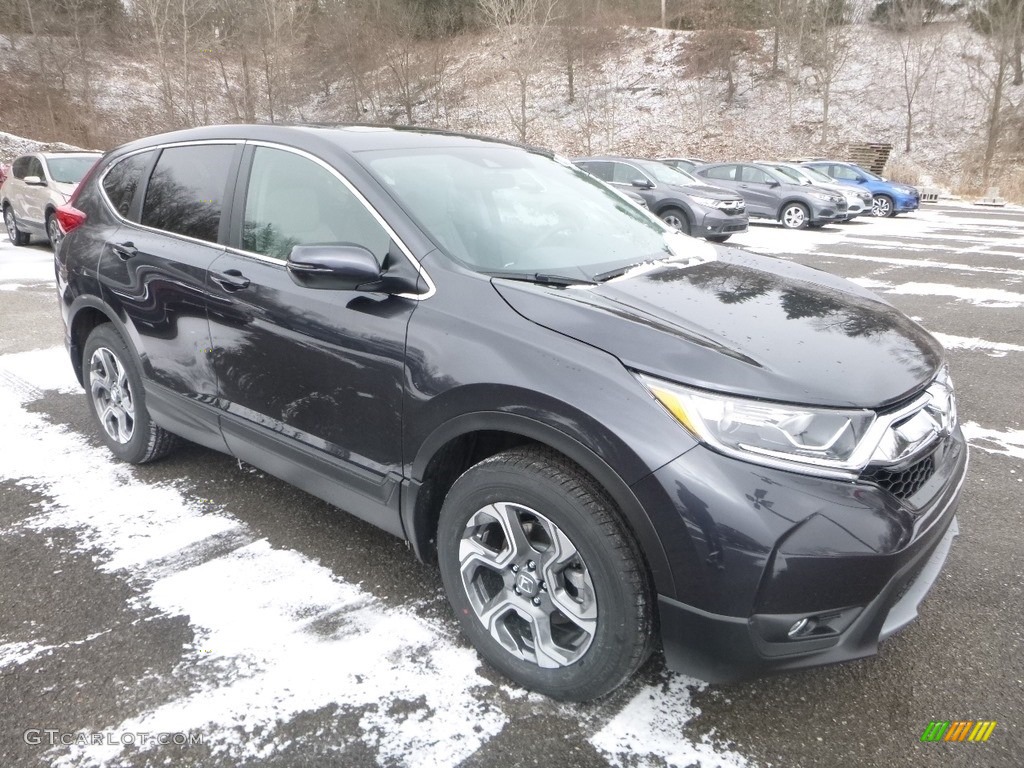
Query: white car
[
  {"x": 857, "y": 200},
  {"x": 37, "y": 184}
]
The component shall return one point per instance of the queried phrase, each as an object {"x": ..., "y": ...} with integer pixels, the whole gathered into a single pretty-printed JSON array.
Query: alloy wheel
[
  {"x": 112, "y": 395},
  {"x": 12, "y": 228},
  {"x": 528, "y": 585},
  {"x": 674, "y": 221},
  {"x": 54, "y": 232},
  {"x": 794, "y": 217},
  {"x": 881, "y": 207}
]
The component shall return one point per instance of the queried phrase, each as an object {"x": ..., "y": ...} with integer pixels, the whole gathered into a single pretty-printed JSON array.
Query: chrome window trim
[
  {"x": 144, "y": 227},
  {"x": 431, "y": 288}
]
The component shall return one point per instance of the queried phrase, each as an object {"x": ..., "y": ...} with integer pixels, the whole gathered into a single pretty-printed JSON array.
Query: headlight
[
  {"x": 708, "y": 202},
  {"x": 822, "y": 196},
  {"x": 793, "y": 436}
]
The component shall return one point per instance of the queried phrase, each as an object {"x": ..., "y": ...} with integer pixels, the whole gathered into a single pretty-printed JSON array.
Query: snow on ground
[{"x": 276, "y": 634}]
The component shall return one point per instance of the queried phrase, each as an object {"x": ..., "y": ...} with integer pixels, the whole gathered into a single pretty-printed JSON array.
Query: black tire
[
  {"x": 53, "y": 233},
  {"x": 139, "y": 440},
  {"x": 882, "y": 207},
  {"x": 794, "y": 216},
  {"x": 13, "y": 232},
  {"x": 607, "y": 574},
  {"x": 718, "y": 238},
  {"x": 676, "y": 217}
]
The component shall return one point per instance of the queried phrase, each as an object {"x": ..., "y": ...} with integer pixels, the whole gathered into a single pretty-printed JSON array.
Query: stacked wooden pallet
[{"x": 873, "y": 157}]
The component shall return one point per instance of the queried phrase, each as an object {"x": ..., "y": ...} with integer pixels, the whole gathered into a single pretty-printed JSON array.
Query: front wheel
[
  {"x": 795, "y": 216},
  {"x": 882, "y": 207},
  {"x": 53, "y": 231},
  {"x": 13, "y": 232},
  {"x": 674, "y": 217},
  {"x": 117, "y": 400},
  {"x": 545, "y": 580},
  {"x": 718, "y": 238}
]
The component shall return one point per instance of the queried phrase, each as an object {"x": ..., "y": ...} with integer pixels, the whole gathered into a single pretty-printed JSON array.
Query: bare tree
[
  {"x": 827, "y": 49},
  {"x": 521, "y": 26},
  {"x": 919, "y": 42}
]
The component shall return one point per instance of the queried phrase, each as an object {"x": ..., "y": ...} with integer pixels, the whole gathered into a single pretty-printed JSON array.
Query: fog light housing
[{"x": 801, "y": 627}]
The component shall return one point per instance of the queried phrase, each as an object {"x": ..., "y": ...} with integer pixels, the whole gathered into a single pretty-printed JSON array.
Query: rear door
[
  {"x": 153, "y": 271},
  {"x": 756, "y": 187},
  {"x": 311, "y": 380}
]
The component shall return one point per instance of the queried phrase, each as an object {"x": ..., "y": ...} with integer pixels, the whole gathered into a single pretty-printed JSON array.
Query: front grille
[{"x": 906, "y": 482}]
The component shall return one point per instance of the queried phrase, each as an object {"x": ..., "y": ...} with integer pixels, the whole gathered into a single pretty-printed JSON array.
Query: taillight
[{"x": 69, "y": 218}]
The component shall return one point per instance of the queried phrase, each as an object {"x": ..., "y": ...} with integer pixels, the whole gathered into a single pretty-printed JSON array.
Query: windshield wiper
[
  {"x": 545, "y": 278},
  {"x": 617, "y": 272}
]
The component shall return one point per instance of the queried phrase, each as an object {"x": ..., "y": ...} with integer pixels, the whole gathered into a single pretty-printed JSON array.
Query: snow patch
[
  {"x": 991, "y": 348},
  {"x": 1009, "y": 443},
  {"x": 648, "y": 731}
]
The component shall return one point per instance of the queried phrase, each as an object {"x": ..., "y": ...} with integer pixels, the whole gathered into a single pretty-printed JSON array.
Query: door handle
[
  {"x": 125, "y": 251},
  {"x": 231, "y": 280}
]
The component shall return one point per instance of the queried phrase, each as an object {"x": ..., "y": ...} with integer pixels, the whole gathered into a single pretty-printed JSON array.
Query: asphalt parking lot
[{"x": 201, "y": 599}]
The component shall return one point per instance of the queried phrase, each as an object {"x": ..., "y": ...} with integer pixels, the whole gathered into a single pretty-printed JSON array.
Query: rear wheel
[
  {"x": 546, "y": 581},
  {"x": 794, "y": 216},
  {"x": 675, "y": 217},
  {"x": 117, "y": 400},
  {"x": 881, "y": 206},
  {"x": 16, "y": 235}
]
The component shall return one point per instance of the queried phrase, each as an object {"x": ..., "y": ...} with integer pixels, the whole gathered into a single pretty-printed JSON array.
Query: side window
[
  {"x": 626, "y": 174},
  {"x": 844, "y": 173},
  {"x": 35, "y": 168},
  {"x": 603, "y": 170},
  {"x": 726, "y": 172},
  {"x": 20, "y": 168},
  {"x": 293, "y": 201},
  {"x": 754, "y": 175},
  {"x": 123, "y": 179},
  {"x": 186, "y": 191}
]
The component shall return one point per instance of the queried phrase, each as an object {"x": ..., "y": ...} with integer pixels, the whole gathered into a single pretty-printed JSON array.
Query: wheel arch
[
  {"x": 465, "y": 440},
  {"x": 790, "y": 201},
  {"x": 88, "y": 313}
]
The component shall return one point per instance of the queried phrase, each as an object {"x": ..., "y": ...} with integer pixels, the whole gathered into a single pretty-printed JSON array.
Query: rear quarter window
[
  {"x": 185, "y": 193},
  {"x": 122, "y": 180}
]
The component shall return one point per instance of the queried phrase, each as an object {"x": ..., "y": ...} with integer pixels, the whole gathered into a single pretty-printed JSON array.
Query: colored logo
[{"x": 958, "y": 730}]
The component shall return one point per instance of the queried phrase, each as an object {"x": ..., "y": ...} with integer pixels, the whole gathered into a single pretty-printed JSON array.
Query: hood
[
  {"x": 748, "y": 325},
  {"x": 63, "y": 187}
]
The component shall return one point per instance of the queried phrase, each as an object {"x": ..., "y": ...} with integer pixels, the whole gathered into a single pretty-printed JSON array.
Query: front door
[{"x": 311, "y": 380}]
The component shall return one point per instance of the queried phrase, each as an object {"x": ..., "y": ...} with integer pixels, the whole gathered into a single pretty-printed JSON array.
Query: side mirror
[
  {"x": 861, "y": 180},
  {"x": 344, "y": 267},
  {"x": 773, "y": 183},
  {"x": 34, "y": 181},
  {"x": 642, "y": 183}
]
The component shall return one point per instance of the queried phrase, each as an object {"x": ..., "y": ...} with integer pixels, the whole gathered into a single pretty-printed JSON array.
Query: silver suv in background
[
  {"x": 857, "y": 200},
  {"x": 37, "y": 185},
  {"x": 770, "y": 195}
]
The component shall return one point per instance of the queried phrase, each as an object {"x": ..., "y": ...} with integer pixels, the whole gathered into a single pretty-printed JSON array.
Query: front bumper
[
  {"x": 823, "y": 212},
  {"x": 907, "y": 203},
  {"x": 716, "y": 222},
  {"x": 758, "y": 550}
]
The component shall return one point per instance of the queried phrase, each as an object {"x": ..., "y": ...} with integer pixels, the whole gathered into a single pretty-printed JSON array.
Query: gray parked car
[
  {"x": 857, "y": 200},
  {"x": 770, "y": 195},
  {"x": 38, "y": 184},
  {"x": 687, "y": 164},
  {"x": 681, "y": 200}
]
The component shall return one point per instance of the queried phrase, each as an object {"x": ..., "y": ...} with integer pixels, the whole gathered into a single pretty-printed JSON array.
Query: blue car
[{"x": 888, "y": 197}]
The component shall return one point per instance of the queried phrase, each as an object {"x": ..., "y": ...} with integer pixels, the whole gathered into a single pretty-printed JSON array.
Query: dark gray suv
[
  {"x": 770, "y": 195},
  {"x": 681, "y": 200}
]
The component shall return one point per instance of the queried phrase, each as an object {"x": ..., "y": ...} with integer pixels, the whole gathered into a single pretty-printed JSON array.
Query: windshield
[
  {"x": 666, "y": 174},
  {"x": 869, "y": 174},
  {"x": 791, "y": 173},
  {"x": 69, "y": 170},
  {"x": 502, "y": 210},
  {"x": 817, "y": 176}
]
